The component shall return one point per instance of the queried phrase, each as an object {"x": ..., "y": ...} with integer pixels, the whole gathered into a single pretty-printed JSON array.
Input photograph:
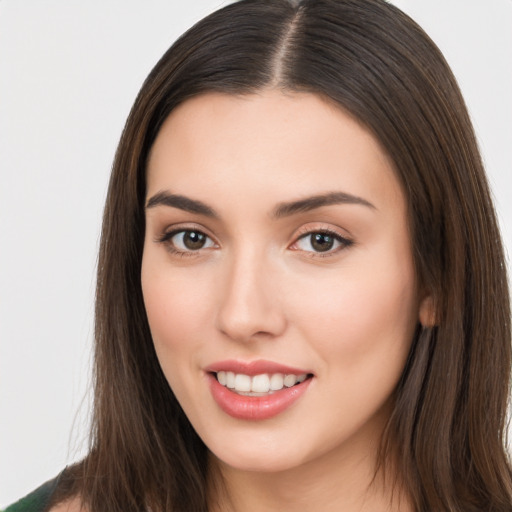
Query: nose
[{"x": 250, "y": 306}]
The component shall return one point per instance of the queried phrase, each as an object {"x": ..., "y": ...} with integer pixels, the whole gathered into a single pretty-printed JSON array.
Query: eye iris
[
  {"x": 194, "y": 240},
  {"x": 322, "y": 242}
]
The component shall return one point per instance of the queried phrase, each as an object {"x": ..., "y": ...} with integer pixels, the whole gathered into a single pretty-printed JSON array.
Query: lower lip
[{"x": 255, "y": 407}]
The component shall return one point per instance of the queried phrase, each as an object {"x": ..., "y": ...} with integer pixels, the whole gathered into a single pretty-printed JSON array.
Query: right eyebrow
[{"x": 182, "y": 202}]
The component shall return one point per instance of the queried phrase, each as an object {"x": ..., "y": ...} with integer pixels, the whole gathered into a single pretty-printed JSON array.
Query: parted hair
[{"x": 445, "y": 440}]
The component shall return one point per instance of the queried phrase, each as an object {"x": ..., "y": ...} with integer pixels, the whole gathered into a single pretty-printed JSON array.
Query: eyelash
[{"x": 343, "y": 241}]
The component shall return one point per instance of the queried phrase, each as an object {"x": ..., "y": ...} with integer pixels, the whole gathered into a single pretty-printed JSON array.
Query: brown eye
[
  {"x": 188, "y": 240},
  {"x": 194, "y": 240},
  {"x": 322, "y": 242}
]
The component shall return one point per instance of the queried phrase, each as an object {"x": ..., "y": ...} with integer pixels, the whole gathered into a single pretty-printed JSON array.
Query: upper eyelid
[
  {"x": 170, "y": 231},
  {"x": 322, "y": 227}
]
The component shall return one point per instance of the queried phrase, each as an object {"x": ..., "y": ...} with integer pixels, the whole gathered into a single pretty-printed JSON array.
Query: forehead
[{"x": 271, "y": 143}]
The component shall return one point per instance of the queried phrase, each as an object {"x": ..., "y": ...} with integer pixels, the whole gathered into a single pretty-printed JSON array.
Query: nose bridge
[{"x": 249, "y": 305}]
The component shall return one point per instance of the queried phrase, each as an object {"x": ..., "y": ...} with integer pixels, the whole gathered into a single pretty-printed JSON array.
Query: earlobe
[{"x": 427, "y": 312}]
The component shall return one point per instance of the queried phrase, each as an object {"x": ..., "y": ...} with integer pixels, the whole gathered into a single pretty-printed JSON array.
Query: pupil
[
  {"x": 194, "y": 240},
  {"x": 322, "y": 242}
]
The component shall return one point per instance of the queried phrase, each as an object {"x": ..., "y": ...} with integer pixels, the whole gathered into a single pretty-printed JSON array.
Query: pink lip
[
  {"x": 254, "y": 367},
  {"x": 255, "y": 408}
]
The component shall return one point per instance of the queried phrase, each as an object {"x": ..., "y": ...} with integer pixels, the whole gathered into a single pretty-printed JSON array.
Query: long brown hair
[{"x": 373, "y": 61}]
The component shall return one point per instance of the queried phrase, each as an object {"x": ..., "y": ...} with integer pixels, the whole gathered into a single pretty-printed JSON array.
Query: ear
[{"x": 427, "y": 312}]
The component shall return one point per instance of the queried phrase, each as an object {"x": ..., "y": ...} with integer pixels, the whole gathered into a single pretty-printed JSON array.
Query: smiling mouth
[{"x": 258, "y": 385}]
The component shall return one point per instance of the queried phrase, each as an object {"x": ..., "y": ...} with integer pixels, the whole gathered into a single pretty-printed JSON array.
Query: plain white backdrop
[{"x": 69, "y": 72}]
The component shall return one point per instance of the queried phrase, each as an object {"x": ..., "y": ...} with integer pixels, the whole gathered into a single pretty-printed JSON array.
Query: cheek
[
  {"x": 176, "y": 308},
  {"x": 363, "y": 320},
  {"x": 168, "y": 307}
]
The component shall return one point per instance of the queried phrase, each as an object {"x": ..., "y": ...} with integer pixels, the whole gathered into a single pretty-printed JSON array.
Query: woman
[{"x": 302, "y": 299}]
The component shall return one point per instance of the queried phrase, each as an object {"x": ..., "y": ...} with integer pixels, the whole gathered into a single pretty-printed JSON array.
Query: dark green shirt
[{"x": 37, "y": 500}]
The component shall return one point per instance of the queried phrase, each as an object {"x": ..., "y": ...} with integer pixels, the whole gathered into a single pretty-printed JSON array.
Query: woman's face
[{"x": 277, "y": 260}]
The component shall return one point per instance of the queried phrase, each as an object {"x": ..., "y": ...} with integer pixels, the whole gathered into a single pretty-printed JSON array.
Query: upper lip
[{"x": 254, "y": 367}]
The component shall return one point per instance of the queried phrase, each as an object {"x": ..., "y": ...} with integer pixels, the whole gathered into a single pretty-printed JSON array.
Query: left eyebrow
[{"x": 313, "y": 202}]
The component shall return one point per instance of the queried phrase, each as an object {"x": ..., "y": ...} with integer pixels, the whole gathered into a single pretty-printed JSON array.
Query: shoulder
[
  {"x": 37, "y": 500},
  {"x": 40, "y": 500}
]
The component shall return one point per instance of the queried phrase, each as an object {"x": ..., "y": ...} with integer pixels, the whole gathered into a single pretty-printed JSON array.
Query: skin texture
[
  {"x": 258, "y": 290},
  {"x": 72, "y": 505}
]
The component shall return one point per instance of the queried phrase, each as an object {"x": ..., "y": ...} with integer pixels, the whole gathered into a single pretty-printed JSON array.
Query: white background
[{"x": 69, "y": 72}]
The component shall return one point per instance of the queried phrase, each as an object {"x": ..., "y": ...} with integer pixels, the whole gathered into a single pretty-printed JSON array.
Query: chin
[
  {"x": 259, "y": 462},
  {"x": 266, "y": 455}
]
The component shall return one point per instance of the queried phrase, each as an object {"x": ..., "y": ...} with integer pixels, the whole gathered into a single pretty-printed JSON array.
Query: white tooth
[
  {"x": 260, "y": 383},
  {"x": 221, "y": 377},
  {"x": 242, "y": 382},
  {"x": 277, "y": 381},
  {"x": 230, "y": 380},
  {"x": 290, "y": 380},
  {"x": 302, "y": 378}
]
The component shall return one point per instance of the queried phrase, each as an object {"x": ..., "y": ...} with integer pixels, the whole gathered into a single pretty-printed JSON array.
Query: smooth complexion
[{"x": 240, "y": 266}]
